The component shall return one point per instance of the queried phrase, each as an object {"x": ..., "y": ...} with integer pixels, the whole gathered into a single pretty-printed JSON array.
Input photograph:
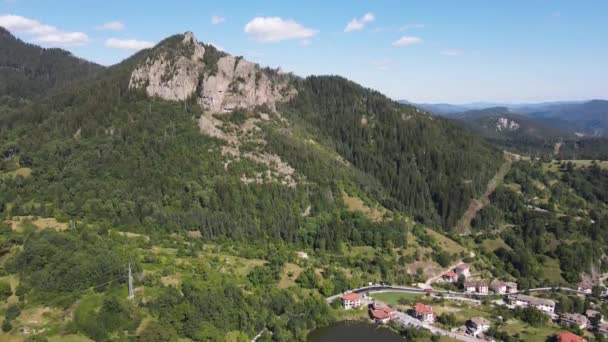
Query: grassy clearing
[
  {"x": 490, "y": 246},
  {"x": 393, "y": 298},
  {"x": 13, "y": 280},
  {"x": 445, "y": 242},
  {"x": 18, "y": 222},
  {"x": 4, "y": 337},
  {"x": 172, "y": 280},
  {"x": 290, "y": 273},
  {"x": 24, "y": 172},
  {"x": 232, "y": 264},
  {"x": 360, "y": 251},
  {"x": 354, "y": 203},
  {"x": 131, "y": 235},
  {"x": 528, "y": 332},
  {"x": 38, "y": 316},
  {"x": 551, "y": 270},
  {"x": 554, "y": 166}
]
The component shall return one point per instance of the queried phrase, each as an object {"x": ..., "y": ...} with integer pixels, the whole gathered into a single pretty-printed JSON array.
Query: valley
[{"x": 187, "y": 194}]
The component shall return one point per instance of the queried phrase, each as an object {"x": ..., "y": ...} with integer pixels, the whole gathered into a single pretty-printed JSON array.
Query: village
[{"x": 476, "y": 292}]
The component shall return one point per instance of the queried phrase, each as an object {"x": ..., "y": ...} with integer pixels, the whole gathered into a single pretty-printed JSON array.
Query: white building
[
  {"x": 351, "y": 300},
  {"x": 477, "y": 326},
  {"x": 575, "y": 320},
  {"x": 479, "y": 287},
  {"x": 585, "y": 287},
  {"x": 499, "y": 287},
  {"x": 463, "y": 269},
  {"x": 511, "y": 287},
  {"x": 546, "y": 305}
]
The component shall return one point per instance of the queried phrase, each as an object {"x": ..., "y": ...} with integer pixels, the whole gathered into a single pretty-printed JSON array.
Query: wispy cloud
[
  {"x": 359, "y": 24},
  {"x": 127, "y": 44},
  {"x": 111, "y": 26},
  {"x": 275, "y": 29},
  {"x": 407, "y": 27},
  {"x": 42, "y": 33},
  {"x": 305, "y": 42},
  {"x": 406, "y": 41},
  {"x": 452, "y": 52},
  {"x": 216, "y": 20}
]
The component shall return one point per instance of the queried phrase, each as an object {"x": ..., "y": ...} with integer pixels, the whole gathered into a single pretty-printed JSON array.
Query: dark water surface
[{"x": 353, "y": 331}]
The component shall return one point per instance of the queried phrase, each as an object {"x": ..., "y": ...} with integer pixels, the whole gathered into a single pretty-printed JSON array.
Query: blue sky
[{"x": 423, "y": 51}]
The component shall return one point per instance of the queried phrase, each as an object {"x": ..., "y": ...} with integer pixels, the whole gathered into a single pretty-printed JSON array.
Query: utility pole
[{"x": 131, "y": 294}]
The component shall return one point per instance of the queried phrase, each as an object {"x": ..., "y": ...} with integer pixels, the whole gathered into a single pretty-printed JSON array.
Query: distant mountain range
[{"x": 583, "y": 118}]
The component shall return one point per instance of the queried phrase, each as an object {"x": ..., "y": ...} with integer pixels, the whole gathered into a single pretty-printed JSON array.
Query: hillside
[
  {"x": 28, "y": 71},
  {"x": 389, "y": 149},
  {"x": 588, "y": 118},
  {"x": 208, "y": 174},
  {"x": 503, "y": 123}
]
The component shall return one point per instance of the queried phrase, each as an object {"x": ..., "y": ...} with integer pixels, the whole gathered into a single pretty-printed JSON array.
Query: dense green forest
[
  {"x": 546, "y": 218},
  {"x": 28, "y": 71},
  {"x": 430, "y": 168}
]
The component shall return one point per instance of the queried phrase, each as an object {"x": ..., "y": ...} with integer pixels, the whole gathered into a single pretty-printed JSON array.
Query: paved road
[{"x": 447, "y": 294}]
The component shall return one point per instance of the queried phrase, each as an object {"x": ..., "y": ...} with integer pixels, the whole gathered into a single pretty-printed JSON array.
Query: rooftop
[
  {"x": 534, "y": 300},
  {"x": 379, "y": 314},
  {"x": 351, "y": 296},
  {"x": 422, "y": 309},
  {"x": 567, "y": 336}
]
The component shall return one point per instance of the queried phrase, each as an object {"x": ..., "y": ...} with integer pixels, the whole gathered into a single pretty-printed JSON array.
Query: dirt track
[{"x": 464, "y": 224}]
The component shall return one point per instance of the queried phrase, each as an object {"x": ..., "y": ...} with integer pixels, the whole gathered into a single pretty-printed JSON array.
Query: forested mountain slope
[
  {"x": 430, "y": 167},
  {"x": 28, "y": 71},
  {"x": 107, "y": 151}
]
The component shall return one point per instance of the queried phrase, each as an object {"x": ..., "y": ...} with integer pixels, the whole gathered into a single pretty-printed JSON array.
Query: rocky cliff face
[
  {"x": 173, "y": 78},
  {"x": 179, "y": 69},
  {"x": 230, "y": 83}
]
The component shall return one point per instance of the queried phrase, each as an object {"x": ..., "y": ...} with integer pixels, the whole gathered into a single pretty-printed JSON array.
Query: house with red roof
[
  {"x": 423, "y": 312},
  {"x": 351, "y": 300},
  {"x": 382, "y": 314},
  {"x": 450, "y": 277},
  {"x": 567, "y": 336}
]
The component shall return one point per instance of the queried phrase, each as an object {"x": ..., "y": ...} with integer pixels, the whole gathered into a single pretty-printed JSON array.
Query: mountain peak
[
  {"x": 189, "y": 38},
  {"x": 180, "y": 68}
]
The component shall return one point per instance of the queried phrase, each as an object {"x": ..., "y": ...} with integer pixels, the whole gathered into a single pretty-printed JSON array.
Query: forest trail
[{"x": 463, "y": 226}]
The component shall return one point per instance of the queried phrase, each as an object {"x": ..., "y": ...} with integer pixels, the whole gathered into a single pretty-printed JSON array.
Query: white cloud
[
  {"x": 216, "y": 19},
  {"x": 42, "y": 33},
  {"x": 406, "y": 41},
  {"x": 112, "y": 26},
  {"x": 452, "y": 52},
  {"x": 359, "y": 24},
  {"x": 275, "y": 29},
  {"x": 305, "y": 42},
  {"x": 127, "y": 44},
  {"x": 410, "y": 27}
]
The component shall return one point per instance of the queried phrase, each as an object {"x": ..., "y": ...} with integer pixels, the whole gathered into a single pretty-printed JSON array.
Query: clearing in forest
[
  {"x": 554, "y": 166},
  {"x": 354, "y": 203},
  {"x": 17, "y": 223},
  {"x": 290, "y": 273},
  {"x": 464, "y": 224}
]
